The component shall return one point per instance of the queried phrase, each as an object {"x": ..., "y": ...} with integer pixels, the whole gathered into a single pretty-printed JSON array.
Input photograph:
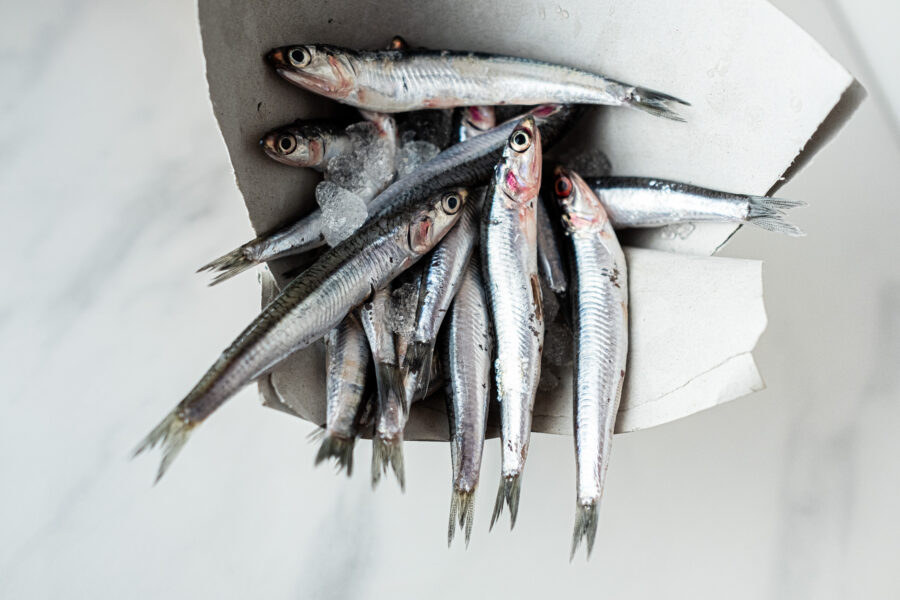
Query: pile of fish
[{"x": 441, "y": 253}]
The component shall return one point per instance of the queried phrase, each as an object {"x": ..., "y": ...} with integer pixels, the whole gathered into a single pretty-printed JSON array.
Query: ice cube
[
  {"x": 342, "y": 212},
  {"x": 379, "y": 162},
  {"x": 369, "y": 166},
  {"x": 347, "y": 171},
  {"x": 363, "y": 133},
  {"x": 413, "y": 154}
]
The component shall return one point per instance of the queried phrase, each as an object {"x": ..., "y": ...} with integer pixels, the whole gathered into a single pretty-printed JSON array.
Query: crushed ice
[
  {"x": 413, "y": 154},
  {"x": 342, "y": 212},
  {"x": 369, "y": 167}
]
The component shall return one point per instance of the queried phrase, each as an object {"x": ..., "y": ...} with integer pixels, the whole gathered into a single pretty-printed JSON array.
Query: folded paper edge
[{"x": 850, "y": 100}]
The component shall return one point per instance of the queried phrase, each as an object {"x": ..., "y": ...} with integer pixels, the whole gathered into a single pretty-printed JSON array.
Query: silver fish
[
  {"x": 647, "y": 202},
  {"x": 509, "y": 259},
  {"x": 391, "y": 413},
  {"x": 397, "y": 80},
  {"x": 347, "y": 358},
  {"x": 307, "y": 143},
  {"x": 600, "y": 316},
  {"x": 444, "y": 271},
  {"x": 473, "y": 120},
  {"x": 471, "y": 162},
  {"x": 309, "y": 307},
  {"x": 550, "y": 261},
  {"x": 404, "y": 300},
  {"x": 323, "y": 148},
  {"x": 467, "y": 163},
  {"x": 468, "y": 347}
]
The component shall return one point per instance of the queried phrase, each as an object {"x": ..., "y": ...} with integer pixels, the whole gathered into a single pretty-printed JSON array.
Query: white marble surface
[{"x": 115, "y": 186}]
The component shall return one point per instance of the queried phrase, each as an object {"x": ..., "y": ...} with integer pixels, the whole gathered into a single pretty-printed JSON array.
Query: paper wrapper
[{"x": 765, "y": 98}]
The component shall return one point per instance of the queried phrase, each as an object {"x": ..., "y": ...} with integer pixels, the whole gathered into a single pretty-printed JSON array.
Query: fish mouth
[
  {"x": 276, "y": 58},
  {"x": 333, "y": 81},
  {"x": 582, "y": 210}
]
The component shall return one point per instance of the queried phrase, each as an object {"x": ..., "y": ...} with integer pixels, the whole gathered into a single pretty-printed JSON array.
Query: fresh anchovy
[
  {"x": 397, "y": 80},
  {"x": 310, "y": 306},
  {"x": 437, "y": 379},
  {"x": 404, "y": 313},
  {"x": 319, "y": 146},
  {"x": 347, "y": 358},
  {"x": 471, "y": 162},
  {"x": 600, "y": 316},
  {"x": 391, "y": 413},
  {"x": 468, "y": 163},
  {"x": 645, "y": 202},
  {"x": 468, "y": 346},
  {"x": 309, "y": 143},
  {"x": 404, "y": 319},
  {"x": 550, "y": 261},
  {"x": 470, "y": 121},
  {"x": 509, "y": 261},
  {"x": 443, "y": 273}
]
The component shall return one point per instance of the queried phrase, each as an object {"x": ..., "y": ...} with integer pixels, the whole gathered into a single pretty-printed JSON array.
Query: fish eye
[
  {"x": 563, "y": 186},
  {"x": 520, "y": 141},
  {"x": 287, "y": 144},
  {"x": 299, "y": 57},
  {"x": 451, "y": 203}
]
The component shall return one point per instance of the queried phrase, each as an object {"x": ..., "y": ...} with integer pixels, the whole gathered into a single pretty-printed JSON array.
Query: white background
[{"x": 115, "y": 185}]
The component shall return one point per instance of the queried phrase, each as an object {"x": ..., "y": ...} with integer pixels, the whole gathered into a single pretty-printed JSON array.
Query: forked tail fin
[
  {"x": 769, "y": 214},
  {"x": 462, "y": 508},
  {"x": 585, "y": 527},
  {"x": 228, "y": 265},
  {"x": 171, "y": 434},
  {"x": 341, "y": 449},
  {"x": 655, "y": 103},
  {"x": 387, "y": 452},
  {"x": 418, "y": 363},
  {"x": 510, "y": 486}
]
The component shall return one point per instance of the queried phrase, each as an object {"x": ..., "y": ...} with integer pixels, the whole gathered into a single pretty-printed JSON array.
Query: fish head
[
  {"x": 323, "y": 69},
  {"x": 581, "y": 209},
  {"x": 547, "y": 111},
  {"x": 519, "y": 172},
  {"x": 299, "y": 145},
  {"x": 477, "y": 119},
  {"x": 433, "y": 221}
]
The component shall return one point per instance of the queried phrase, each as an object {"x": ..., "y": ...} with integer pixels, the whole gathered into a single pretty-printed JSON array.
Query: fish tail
[
  {"x": 341, "y": 449},
  {"x": 228, "y": 265},
  {"x": 655, "y": 103},
  {"x": 171, "y": 434},
  {"x": 462, "y": 509},
  {"x": 585, "y": 527},
  {"x": 418, "y": 361},
  {"x": 387, "y": 452},
  {"x": 769, "y": 214},
  {"x": 418, "y": 355},
  {"x": 510, "y": 486},
  {"x": 390, "y": 381}
]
